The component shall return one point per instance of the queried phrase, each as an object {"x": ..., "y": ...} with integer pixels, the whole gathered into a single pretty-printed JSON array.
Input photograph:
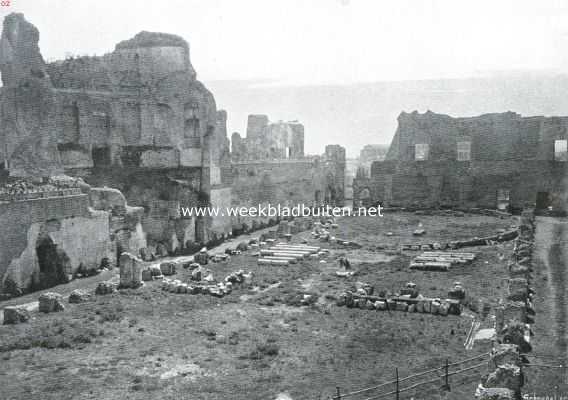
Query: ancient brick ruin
[
  {"x": 502, "y": 161},
  {"x": 138, "y": 121}
]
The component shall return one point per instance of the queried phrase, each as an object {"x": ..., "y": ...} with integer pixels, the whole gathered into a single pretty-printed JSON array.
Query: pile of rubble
[
  {"x": 409, "y": 300},
  {"x": 440, "y": 260},
  {"x": 211, "y": 288},
  {"x": 51, "y": 302},
  {"x": 284, "y": 254},
  {"x": 514, "y": 315},
  {"x": 106, "y": 287}
]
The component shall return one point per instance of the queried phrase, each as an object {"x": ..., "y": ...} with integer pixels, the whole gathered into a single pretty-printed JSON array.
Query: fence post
[
  {"x": 338, "y": 393},
  {"x": 397, "y": 386},
  {"x": 447, "y": 376}
]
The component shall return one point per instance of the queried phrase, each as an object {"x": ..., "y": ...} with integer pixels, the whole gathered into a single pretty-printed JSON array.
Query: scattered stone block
[
  {"x": 457, "y": 293},
  {"x": 168, "y": 268},
  {"x": 196, "y": 274},
  {"x": 502, "y": 354},
  {"x": 79, "y": 296},
  {"x": 443, "y": 309},
  {"x": 420, "y": 307},
  {"x": 505, "y": 376},
  {"x": 15, "y": 315},
  {"x": 130, "y": 271},
  {"x": 147, "y": 275},
  {"x": 435, "y": 307},
  {"x": 51, "y": 302},
  {"x": 105, "y": 288},
  {"x": 518, "y": 289}
]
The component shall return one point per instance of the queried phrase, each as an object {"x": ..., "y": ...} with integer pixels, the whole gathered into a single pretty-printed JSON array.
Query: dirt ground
[
  {"x": 259, "y": 342},
  {"x": 550, "y": 341}
]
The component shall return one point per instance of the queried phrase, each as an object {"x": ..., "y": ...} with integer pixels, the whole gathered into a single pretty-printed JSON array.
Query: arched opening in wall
[
  {"x": 191, "y": 125},
  {"x": 101, "y": 157},
  {"x": 288, "y": 152},
  {"x": 330, "y": 196},
  {"x": 53, "y": 264},
  {"x": 318, "y": 197},
  {"x": 365, "y": 198}
]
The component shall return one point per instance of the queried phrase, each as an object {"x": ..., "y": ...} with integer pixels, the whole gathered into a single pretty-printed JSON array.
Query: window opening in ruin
[
  {"x": 542, "y": 200},
  {"x": 288, "y": 152},
  {"x": 421, "y": 151},
  {"x": 464, "y": 151},
  {"x": 365, "y": 199},
  {"x": 561, "y": 150},
  {"x": 318, "y": 197},
  {"x": 51, "y": 264},
  {"x": 191, "y": 125},
  {"x": 503, "y": 199},
  {"x": 101, "y": 156}
]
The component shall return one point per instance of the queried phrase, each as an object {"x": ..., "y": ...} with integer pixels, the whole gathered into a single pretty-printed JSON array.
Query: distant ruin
[
  {"x": 138, "y": 121},
  {"x": 502, "y": 161},
  {"x": 266, "y": 140}
]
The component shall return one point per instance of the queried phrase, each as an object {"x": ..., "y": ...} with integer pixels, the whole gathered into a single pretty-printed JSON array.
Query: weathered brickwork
[
  {"x": 506, "y": 161},
  {"x": 136, "y": 124},
  {"x": 267, "y": 140}
]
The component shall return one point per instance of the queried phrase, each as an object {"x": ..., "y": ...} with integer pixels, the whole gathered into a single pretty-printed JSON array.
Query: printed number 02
[{"x": 5, "y": 3}]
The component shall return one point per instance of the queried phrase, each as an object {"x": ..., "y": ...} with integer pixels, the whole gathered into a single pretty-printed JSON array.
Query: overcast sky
[
  {"x": 265, "y": 56},
  {"x": 320, "y": 41}
]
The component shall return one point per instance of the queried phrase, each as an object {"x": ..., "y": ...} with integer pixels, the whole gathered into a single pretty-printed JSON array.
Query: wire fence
[{"x": 440, "y": 376}]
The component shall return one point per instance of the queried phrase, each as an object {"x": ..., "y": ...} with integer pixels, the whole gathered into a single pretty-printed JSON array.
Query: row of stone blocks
[
  {"x": 505, "y": 377},
  {"x": 47, "y": 303},
  {"x": 421, "y": 305},
  {"x": 218, "y": 290},
  {"x": 454, "y": 245}
]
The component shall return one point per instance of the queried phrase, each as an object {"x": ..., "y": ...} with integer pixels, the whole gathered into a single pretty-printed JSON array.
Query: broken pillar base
[
  {"x": 51, "y": 302},
  {"x": 15, "y": 315}
]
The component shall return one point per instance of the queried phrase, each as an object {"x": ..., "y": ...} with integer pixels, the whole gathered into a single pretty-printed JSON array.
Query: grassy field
[{"x": 258, "y": 342}]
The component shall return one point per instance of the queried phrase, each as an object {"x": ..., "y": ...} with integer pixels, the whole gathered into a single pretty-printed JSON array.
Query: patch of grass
[
  {"x": 58, "y": 334},
  {"x": 262, "y": 350}
]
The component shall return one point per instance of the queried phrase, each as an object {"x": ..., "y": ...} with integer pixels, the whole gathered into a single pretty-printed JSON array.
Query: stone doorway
[
  {"x": 542, "y": 200},
  {"x": 53, "y": 264}
]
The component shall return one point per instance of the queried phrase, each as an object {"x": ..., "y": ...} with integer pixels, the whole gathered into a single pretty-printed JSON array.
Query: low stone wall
[{"x": 504, "y": 379}]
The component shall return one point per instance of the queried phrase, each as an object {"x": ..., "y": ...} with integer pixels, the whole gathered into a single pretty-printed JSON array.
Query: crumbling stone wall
[
  {"x": 269, "y": 140},
  {"x": 138, "y": 109},
  {"x": 50, "y": 235},
  {"x": 310, "y": 181},
  {"x": 509, "y": 153}
]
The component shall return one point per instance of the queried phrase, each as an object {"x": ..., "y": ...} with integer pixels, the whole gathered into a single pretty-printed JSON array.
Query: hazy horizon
[{"x": 344, "y": 68}]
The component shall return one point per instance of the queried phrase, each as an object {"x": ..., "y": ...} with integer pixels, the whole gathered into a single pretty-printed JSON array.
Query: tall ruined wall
[
  {"x": 140, "y": 104},
  {"x": 509, "y": 154},
  {"x": 504, "y": 136},
  {"x": 268, "y": 141},
  {"x": 451, "y": 183},
  {"x": 135, "y": 118},
  {"x": 311, "y": 181},
  {"x": 81, "y": 229}
]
